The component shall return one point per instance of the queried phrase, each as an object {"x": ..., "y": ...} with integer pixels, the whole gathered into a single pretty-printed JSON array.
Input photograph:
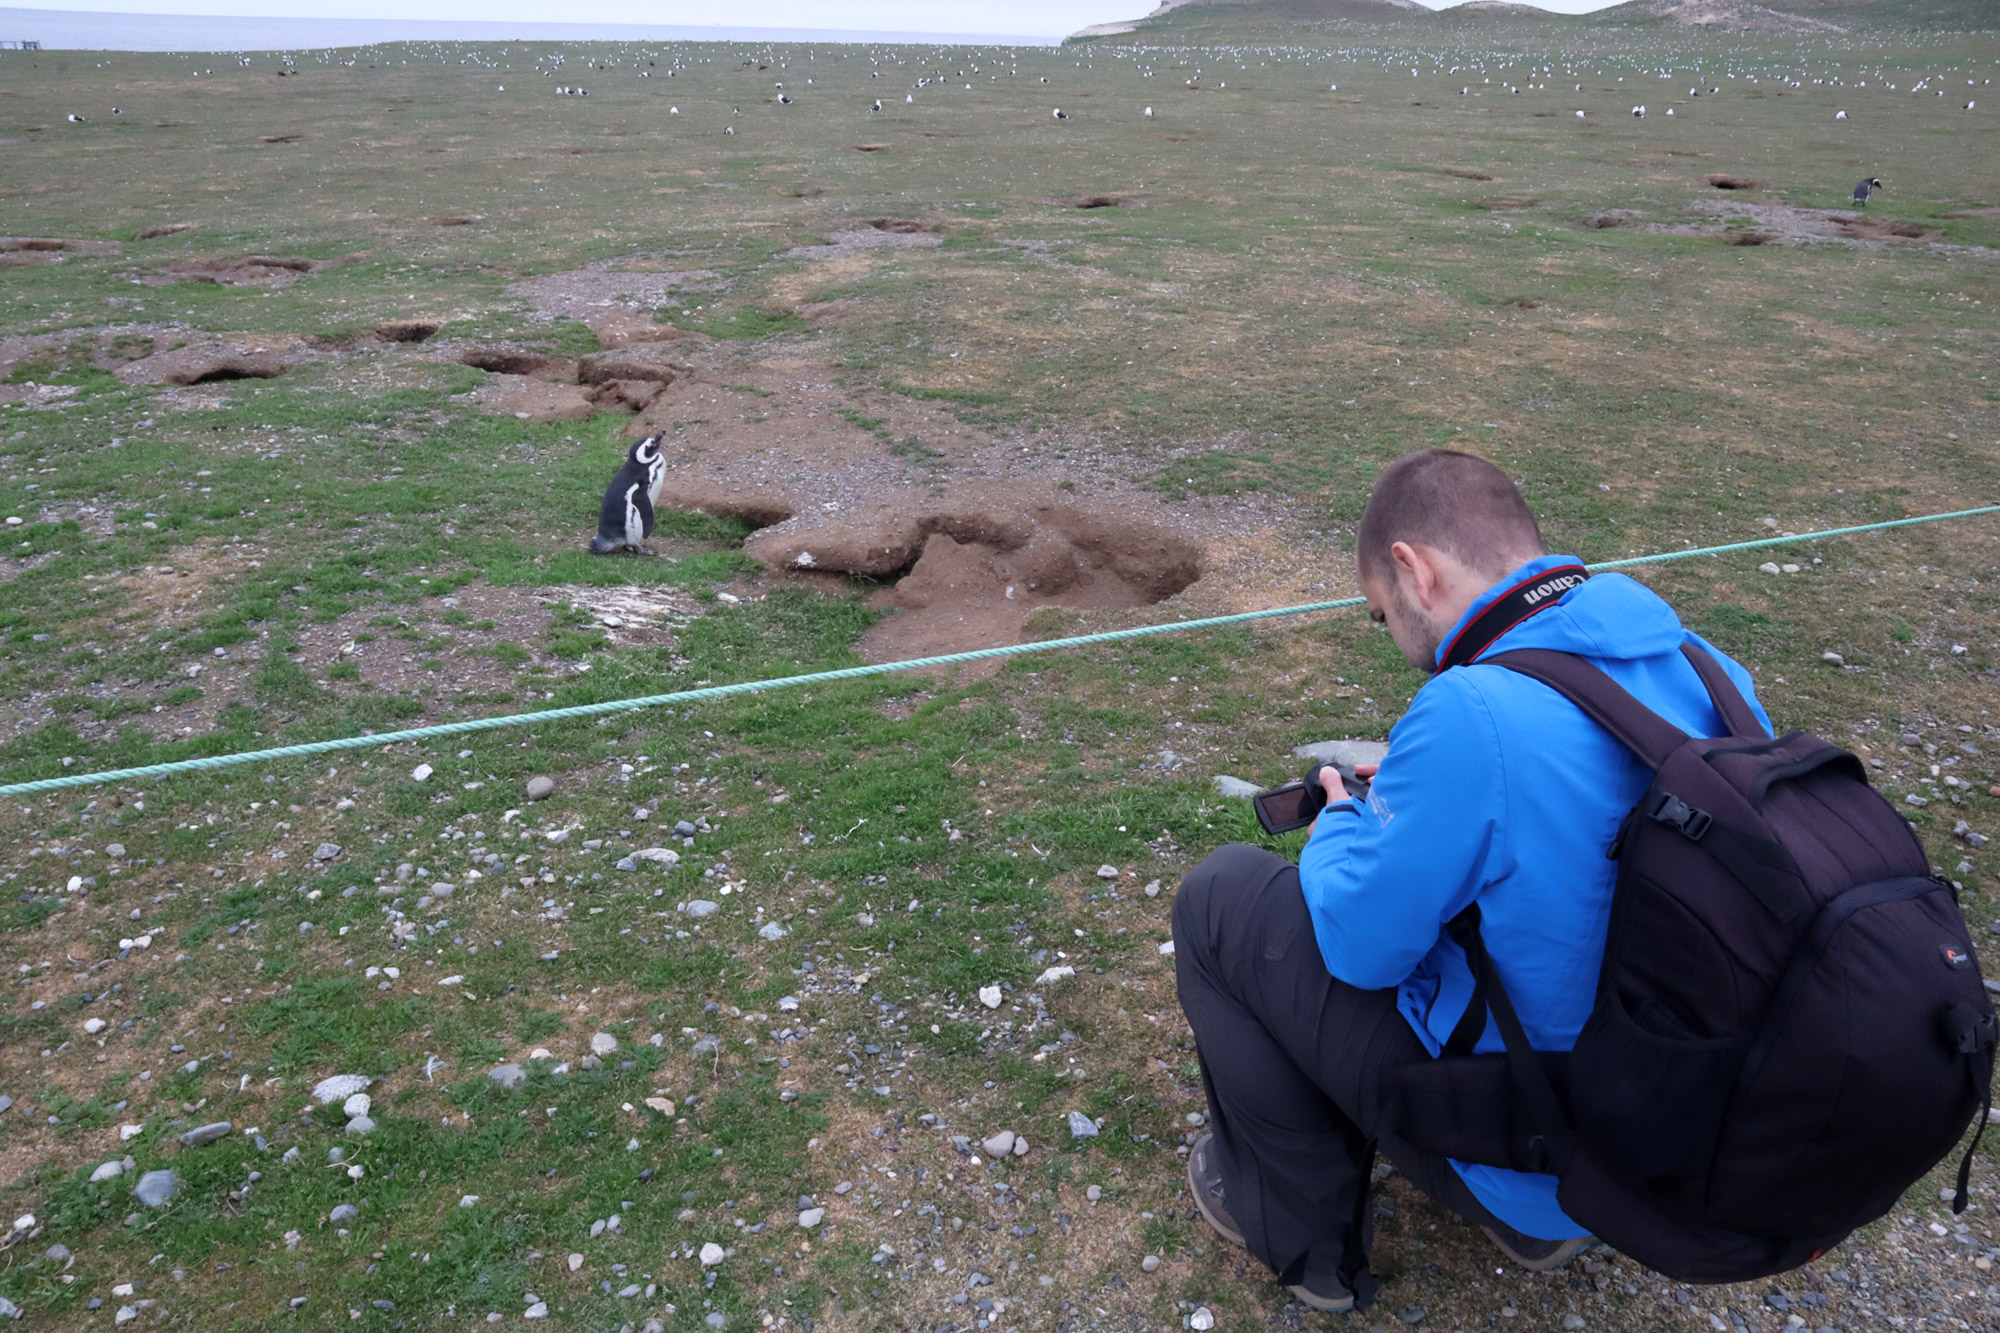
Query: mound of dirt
[
  {"x": 24, "y": 251},
  {"x": 1862, "y": 228},
  {"x": 622, "y": 328},
  {"x": 625, "y": 395},
  {"x": 513, "y": 361},
  {"x": 252, "y": 270},
  {"x": 629, "y": 285},
  {"x": 1725, "y": 182},
  {"x": 1616, "y": 217},
  {"x": 966, "y": 574},
  {"x": 1751, "y": 237},
  {"x": 533, "y": 400},
  {"x": 408, "y": 330},
  {"x": 280, "y": 138},
  {"x": 164, "y": 229},
  {"x": 452, "y": 220},
  {"x": 862, "y": 238},
  {"x": 650, "y": 361},
  {"x": 250, "y": 357},
  {"x": 899, "y": 226},
  {"x": 1467, "y": 175}
]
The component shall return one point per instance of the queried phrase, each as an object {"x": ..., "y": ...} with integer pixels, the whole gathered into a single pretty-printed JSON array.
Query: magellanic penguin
[{"x": 625, "y": 519}]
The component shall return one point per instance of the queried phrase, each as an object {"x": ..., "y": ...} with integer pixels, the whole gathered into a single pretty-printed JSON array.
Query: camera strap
[{"x": 1509, "y": 609}]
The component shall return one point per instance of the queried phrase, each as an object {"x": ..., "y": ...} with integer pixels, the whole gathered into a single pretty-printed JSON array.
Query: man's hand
[{"x": 1336, "y": 790}]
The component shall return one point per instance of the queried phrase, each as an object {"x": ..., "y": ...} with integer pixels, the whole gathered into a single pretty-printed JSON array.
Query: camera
[{"x": 1297, "y": 804}]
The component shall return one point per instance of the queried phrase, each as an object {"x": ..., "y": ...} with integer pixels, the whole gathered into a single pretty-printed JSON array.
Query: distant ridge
[
  {"x": 1716, "y": 16},
  {"x": 1496, "y": 9}
]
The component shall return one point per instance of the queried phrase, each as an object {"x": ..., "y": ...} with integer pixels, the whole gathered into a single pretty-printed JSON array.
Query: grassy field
[{"x": 1325, "y": 246}]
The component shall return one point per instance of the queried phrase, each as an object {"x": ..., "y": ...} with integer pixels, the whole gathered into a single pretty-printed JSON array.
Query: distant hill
[{"x": 1204, "y": 19}]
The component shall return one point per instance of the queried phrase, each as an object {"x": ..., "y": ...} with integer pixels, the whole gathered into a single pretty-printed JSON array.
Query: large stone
[
  {"x": 541, "y": 788},
  {"x": 339, "y": 1088},
  {"x": 603, "y": 1043},
  {"x": 206, "y": 1134},
  {"x": 1000, "y": 1145},
  {"x": 651, "y": 361},
  {"x": 108, "y": 1171},
  {"x": 511, "y": 1077},
  {"x": 1081, "y": 1126},
  {"x": 1344, "y": 752},
  {"x": 156, "y": 1187},
  {"x": 1234, "y": 787},
  {"x": 345, "y": 1212}
]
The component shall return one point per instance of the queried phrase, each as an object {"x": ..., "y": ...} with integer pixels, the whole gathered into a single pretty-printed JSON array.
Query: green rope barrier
[{"x": 876, "y": 669}]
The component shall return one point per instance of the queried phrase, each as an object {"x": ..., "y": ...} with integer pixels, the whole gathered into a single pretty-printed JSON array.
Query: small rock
[
  {"x": 1788, "y": 569},
  {"x": 603, "y": 1043},
  {"x": 206, "y": 1134},
  {"x": 1412, "y": 1314},
  {"x": 1000, "y": 1145},
  {"x": 712, "y": 1254},
  {"x": 345, "y": 1212},
  {"x": 115, "y": 850},
  {"x": 1573, "y": 1322},
  {"x": 1768, "y": 567},
  {"x": 1081, "y": 1126},
  {"x": 1153, "y": 889},
  {"x": 541, "y": 788},
  {"x": 1150, "y": 1264},
  {"x": 715, "y": 1319},
  {"x": 1054, "y": 974},
  {"x": 421, "y": 773},
  {"x": 339, "y": 1088},
  {"x": 108, "y": 1171},
  {"x": 57, "y": 1253},
  {"x": 1835, "y": 658},
  {"x": 511, "y": 1077},
  {"x": 1344, "y": 752},
  {"x": 701, "y": 907},
  {"x": 1202, "y": 1319},
  {"x": 93, "y": 1026},
  {"x": 771, "y": 930},
  {"x": 1914, "y": 799},
  {"x": 575, "y": 1262},
  {"x": 539, "y": 1310},
  {"x": 468, "y": 1200},
  {"x": 361, "y": 1124},
  {"x": 327, "y": 851},
  {"x": 1020, "y": 1146},
  {"x": 685, "y": 829},
  {"x": 1107, "y": 872},
  {"x": 1094, "y": 1193},
  {"x": 359, "y": 1104},
  {"x": 811, "y": 1217},
  {"x": 1235, "y": 788},
  {"x": 662, "y": 856},
  {"x": 990, "y": 996}
]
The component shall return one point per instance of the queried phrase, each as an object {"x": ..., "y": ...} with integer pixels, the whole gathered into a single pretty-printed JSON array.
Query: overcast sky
[{"x": 1051, "y": 18}]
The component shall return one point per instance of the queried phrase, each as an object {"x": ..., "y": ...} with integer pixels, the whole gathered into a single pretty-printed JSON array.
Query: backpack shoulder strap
[
  {"x": 1602, "y": 699},
  {"x": 1729, "y": 702}
]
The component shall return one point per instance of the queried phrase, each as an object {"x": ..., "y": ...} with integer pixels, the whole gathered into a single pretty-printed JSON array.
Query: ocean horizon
[{"x": 84, "y": 30}]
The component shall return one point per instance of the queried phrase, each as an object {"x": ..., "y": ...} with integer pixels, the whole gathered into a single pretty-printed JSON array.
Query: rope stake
[{"x": 874, "y": 669}]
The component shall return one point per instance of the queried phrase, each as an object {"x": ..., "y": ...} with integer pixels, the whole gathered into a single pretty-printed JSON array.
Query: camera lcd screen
[{"x": 1289, "y": 807}]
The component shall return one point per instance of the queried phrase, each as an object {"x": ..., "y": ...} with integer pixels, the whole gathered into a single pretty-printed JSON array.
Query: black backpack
[{"x": 1790, "y": 1027}]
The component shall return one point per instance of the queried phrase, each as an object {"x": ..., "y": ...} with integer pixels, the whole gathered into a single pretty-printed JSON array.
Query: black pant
[{"x": 1290, "y": 1059}]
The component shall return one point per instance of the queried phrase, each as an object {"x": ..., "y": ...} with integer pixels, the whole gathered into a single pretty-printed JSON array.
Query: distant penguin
[
  {"x": 625, "y": 519},
  {"x": 75, "y": 119},
  {"x": 877, "y": 106},
  {"x": 1866, "y": 188},
  {"x": 1060, "y": 114},
  {"x": 1840, "y": 115},
  {"x": 1639, "y": 112},
  {"x": 784, "y": 100},
  {"x": 1149, "y": 113}
]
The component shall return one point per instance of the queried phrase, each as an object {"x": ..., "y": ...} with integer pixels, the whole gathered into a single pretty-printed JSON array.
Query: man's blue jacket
[{"x": 1497, "y": 789}]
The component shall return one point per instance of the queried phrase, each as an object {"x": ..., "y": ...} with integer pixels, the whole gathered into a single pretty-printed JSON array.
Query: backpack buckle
[{"x": 1669, "y": 809}]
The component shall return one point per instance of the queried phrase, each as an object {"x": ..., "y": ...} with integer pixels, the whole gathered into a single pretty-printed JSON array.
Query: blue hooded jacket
[{"x": 1498, "y": 789}]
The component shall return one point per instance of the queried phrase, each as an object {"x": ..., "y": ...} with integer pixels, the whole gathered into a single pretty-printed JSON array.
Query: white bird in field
[
  {"x": 729, "y": 129},
  {"x": 1970, "y": 105},
  {"x": 1149, "y": 113},
  {"x": 75, "y": 119},
  {"x": 1060, "y": 114},
  {"x": 784, "y": 100},
  {"x": 673, "y": 111},
  {"x": 116, "y": 112},
  {"x": 1840, "y": 115},
  {"x": 1639, "y": 112},
  {"x": 877, "y": 106},
  {"x": 1670, "y": 111},
  {"x": 909, "y": 99},
  {"x": 1579, "y": 115}
]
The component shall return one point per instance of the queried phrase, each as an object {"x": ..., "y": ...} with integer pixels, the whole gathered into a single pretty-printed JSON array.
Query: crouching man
[{"x": 1304, "y": 983}]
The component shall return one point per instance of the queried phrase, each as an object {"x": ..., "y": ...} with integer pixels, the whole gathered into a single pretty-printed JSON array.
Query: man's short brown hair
[{"x": 1452, "y": 502}]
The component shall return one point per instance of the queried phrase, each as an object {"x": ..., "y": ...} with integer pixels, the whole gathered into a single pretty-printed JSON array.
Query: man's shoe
[
  {"x": 1205, "y": 1180},
  {"x": 1327, "y": 1294},
  {"x": 1537, "y": 1256}
]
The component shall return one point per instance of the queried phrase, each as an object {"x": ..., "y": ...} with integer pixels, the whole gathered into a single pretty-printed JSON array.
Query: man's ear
[{"x": 1416, "y": 569}]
